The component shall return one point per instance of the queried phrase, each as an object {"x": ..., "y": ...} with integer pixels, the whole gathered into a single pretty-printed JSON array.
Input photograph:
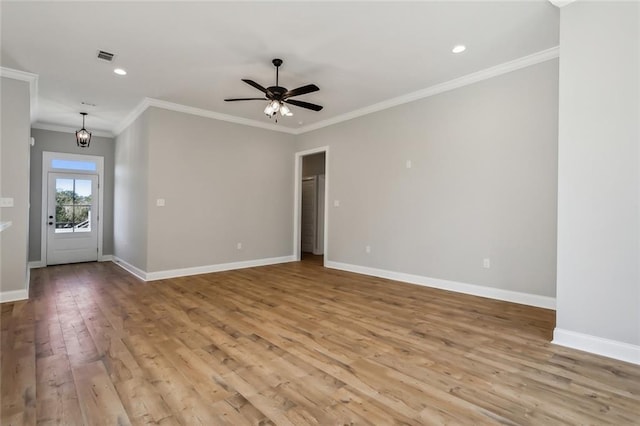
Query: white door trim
[
  {"x": 297, "y": 201},
  {"x": 47, "y": 156}
]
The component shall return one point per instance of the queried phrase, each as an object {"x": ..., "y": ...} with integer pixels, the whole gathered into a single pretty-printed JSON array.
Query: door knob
[
  {"x": 50, "y": 223},
  {"x": 50, "y": 217}
]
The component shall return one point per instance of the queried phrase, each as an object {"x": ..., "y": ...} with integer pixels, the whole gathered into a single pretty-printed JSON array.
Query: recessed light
[
  {"x": 459, "y": 48},
  {"x": 120, "y": 71}
]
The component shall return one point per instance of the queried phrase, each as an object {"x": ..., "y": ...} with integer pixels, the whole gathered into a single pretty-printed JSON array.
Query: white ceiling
[{"x": 195, "y": 53}]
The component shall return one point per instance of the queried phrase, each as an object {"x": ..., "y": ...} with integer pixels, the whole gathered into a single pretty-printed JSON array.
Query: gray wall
[
  {"x": 14, "y": 182},
  {"x": 130, "y": 193},
  {"x": 222, "y": 184},
  {"x": 483, "y": 184},
  {"x": 599, "y": 169},
  {"x": 47, "y": 140}
]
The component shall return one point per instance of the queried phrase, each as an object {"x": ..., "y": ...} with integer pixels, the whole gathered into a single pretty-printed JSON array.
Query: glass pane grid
[{"x": 73, "y": 205}]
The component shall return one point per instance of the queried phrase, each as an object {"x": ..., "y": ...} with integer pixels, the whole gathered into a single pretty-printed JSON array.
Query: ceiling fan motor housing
[{"x": 276, "y": 92}]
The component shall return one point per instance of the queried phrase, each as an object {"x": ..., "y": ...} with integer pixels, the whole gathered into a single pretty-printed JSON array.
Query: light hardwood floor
[{"x": 291, "y": 344}]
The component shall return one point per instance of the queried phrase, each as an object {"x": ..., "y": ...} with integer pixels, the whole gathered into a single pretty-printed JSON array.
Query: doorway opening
[
  {"x": 72, "y": 201},
  {"x": 311, "y": 221}
]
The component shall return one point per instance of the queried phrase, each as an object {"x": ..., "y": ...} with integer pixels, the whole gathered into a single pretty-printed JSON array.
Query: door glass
[
  {"x": 89, "y": 166},
  {"x": 73, "y": 205}
]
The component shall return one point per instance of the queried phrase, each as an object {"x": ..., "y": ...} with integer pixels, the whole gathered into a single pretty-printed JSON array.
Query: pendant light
[{"x": 83, "y": 137}]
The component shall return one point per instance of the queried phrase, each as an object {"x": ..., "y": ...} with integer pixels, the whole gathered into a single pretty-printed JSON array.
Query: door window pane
[
  {"x": 88, "y": 166},
  {"x": 73, "y": 205}
]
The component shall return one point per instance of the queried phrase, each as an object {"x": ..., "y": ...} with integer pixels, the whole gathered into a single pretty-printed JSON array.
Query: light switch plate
[
  {"x": 6, "y": 202},
  {"x": 160, "y": 202}
]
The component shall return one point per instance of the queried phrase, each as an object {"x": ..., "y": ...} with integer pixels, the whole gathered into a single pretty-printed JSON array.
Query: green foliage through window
[{"x": 72, "y": 211}]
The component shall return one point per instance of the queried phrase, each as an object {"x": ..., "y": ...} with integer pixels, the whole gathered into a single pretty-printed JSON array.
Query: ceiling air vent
[{"x": 105, "y": 56}]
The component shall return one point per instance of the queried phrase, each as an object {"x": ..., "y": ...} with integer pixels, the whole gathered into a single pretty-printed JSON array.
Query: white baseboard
[
  {"x": 130, "y": 268},
  {"x": 183, "y": 272},
  {"x": 173, "y": 273},
  {"x": 13, "y": 296},
  {"x": 597, "y": 345},
  {"x": 472, "y": 289},
  {"x": 40, "y": 264}
]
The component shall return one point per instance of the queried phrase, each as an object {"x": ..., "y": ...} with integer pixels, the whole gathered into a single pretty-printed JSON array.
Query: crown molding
[
  {"x": 65, "y": 129},
  {"x": 30, "y": 78},
  {"x": 171, "y": 106},
  {"x": 526, "y": 61},
  {"x": 132, "y": 116},
  {"x": 561, "y": 3}
]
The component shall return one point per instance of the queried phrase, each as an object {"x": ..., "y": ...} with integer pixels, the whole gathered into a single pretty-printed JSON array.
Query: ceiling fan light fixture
[
  {"x": 285, "y": 111},
  {"x": 269, "y": 111},
  {"x": 83, "y": 137},
  {"x": 277, "y": 95}
]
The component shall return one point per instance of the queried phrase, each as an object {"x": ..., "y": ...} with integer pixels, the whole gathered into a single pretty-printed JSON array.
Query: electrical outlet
[
  {"x": 239, "y": 246},
  {"x": 367, "y": 249},
  {"x": 486, "y": 263},
  {"x": 408, "y": 164},
  {"x": 336, "y": 203},
  {"x": 160, "y": 202},
  {"x": 6, "y": 202}
]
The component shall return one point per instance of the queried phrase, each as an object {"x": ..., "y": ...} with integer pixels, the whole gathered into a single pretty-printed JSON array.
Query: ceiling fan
[{"x": 278, "y": 96}]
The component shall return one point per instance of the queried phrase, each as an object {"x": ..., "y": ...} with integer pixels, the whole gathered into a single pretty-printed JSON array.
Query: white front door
[{"x": 72, "y": 225}]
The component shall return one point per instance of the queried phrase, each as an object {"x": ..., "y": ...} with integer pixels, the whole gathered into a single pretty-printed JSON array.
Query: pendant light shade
[{"x": 83, "y": 137}]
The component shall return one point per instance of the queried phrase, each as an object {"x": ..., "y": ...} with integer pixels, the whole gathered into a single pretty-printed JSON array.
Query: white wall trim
[
  {"x": 132, "y": 116},
  {"x": 561, "y": 3},
  {"x": 30, "y": 78},
  {"x": 171, "y": 106},
  {"x": 14, "y": 296},
  {"x": 173, "y": 273},
  {"x": 597, "y": 345},
  {"x": 17, "y": 74},
  {"x": 297, "y": 200},
  {"x": 139, "y": 273},
  {"x": 197, "y": 270},
  {"x": 458, "y": 287},
  {"x": 36, "y": 264},
  {"x": 65, "y": 129},
  {"x": 47, "y": 156},
  {"x": 485, "y": 74},
  {"x": 466, "y": 80}
]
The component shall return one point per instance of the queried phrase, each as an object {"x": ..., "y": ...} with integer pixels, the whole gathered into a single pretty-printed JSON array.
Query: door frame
[
  {"x": 297, "y": 201},
  {"x": 47, "y": 156}
]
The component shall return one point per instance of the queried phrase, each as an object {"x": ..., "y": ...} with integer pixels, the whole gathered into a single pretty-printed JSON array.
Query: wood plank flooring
[{"x": 290, "y": 344}]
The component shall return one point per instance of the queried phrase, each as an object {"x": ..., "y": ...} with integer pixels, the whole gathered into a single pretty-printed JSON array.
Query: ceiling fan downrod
[{"x": 277, "y": 62}]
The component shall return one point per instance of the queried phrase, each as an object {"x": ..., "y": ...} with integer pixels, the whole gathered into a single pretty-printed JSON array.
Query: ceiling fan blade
[
  {"x": 301, "y": 91},
  {"x": 254, "y": 84},
  {"x": 302, "y": 104},
  {"x": 246, "y": 99}
]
